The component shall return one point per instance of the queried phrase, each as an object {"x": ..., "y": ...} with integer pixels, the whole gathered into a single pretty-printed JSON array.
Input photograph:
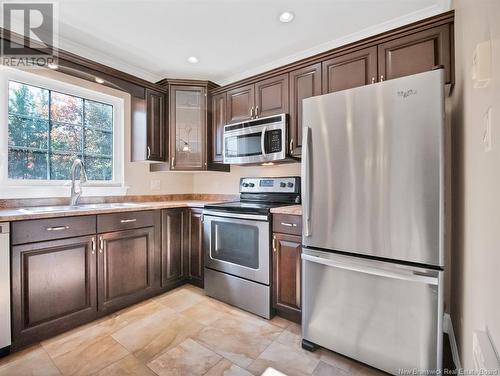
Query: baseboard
[{"x": 448, "y": 329}]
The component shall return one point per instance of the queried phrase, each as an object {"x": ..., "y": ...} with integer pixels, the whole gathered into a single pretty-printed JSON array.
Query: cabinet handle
[
  {"x": 257, "y": 111},
  {"x": 291, "y": 145},
  {"x": 274, "y": 243},
  {"x": 101, "y": 244},
  {"x": 288, "y": 224},
  {"x": 173, "y": 162},
  {"x": 93, "y": 245},
  {"x": 128, "y": 220},
  {"x": 382, "y": 78},
  {"x": 373, "y": 80},
  {"x": 149, "y": 152},
  {"x": 57, "y": 228},
  {"x": 251, "y": 112}
]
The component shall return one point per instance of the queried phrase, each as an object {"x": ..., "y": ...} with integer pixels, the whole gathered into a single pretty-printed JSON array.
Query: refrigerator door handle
[
  {"x": 306, "y": 181},
  {"x": 357, "y": 267}
]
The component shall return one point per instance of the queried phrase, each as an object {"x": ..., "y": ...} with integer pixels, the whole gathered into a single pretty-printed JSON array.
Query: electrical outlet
[
  {"x": 487, "y": 142},
  {"x": 155, "y": 185}
]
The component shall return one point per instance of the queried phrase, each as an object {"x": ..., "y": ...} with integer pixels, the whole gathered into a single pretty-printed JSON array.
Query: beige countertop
[
  {"x": 291, "y": 210},
  {"x": 24, "y": 213}
]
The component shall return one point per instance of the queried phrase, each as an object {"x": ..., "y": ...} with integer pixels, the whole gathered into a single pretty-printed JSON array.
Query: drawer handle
[
  {"x": 128, "y": 220},
  {"x": 288, "y": 224},
  {"x": 57, "y": 228}
]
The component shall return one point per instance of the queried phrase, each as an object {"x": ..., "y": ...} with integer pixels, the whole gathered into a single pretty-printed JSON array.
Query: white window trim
[{"x": 19, "y": 188}]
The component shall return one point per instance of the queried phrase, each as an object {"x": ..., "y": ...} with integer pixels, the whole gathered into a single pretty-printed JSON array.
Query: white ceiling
[{"x": 233, "y": 39}]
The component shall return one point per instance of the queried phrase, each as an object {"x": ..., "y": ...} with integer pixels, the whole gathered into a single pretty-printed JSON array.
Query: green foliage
[{"x": 39, "y": 149}]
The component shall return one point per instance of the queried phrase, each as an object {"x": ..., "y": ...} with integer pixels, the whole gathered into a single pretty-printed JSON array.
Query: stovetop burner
[{"x": 259, "y": 195}]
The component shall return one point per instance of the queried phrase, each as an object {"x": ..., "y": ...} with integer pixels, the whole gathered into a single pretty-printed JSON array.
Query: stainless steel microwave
[{"x": 256, "y": 141}]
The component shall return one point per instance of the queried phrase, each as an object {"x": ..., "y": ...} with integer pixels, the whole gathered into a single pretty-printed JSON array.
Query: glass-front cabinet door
[{"x": 188, "y": 122}]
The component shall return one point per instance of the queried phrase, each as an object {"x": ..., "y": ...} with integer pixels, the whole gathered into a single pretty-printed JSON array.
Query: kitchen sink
[{"x": 50, "y": 209}]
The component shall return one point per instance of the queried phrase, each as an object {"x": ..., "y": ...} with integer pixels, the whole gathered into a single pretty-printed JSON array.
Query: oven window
[
  {"x": 244, "y": 145},
  {"x": 235, "y": 243}
]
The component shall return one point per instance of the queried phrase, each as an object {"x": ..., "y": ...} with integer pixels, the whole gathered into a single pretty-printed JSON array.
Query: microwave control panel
[{"x": 273, "y": 141}]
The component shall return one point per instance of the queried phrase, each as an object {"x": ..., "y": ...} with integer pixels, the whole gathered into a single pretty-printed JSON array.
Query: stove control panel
[{"x": 270, "y": 185}]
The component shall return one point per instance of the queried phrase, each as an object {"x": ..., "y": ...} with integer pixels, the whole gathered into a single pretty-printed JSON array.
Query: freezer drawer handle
[{"x": 374, "y": 271}]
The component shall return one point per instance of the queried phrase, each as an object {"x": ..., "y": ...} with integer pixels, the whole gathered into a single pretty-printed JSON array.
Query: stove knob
[
  {"x": 289, "y": 185},
  {"x": 251, "y": 185},
  {"x": 282, "y": 185},
  {"x": 245, "y": 185}
]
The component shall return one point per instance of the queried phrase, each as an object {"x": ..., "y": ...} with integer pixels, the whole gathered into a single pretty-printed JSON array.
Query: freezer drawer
[{"x": 386, "y": 315}]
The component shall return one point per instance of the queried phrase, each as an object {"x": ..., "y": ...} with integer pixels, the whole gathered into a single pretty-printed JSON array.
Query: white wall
[
  {"x": 476, "y": 181},
  {"x": 228, "y": 183}
]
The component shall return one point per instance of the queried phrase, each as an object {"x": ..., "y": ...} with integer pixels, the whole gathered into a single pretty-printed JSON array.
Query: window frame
[{"x": 9, "y": 185}]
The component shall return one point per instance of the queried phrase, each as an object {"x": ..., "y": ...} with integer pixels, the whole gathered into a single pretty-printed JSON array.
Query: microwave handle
[{"x": 263, "y": 141}]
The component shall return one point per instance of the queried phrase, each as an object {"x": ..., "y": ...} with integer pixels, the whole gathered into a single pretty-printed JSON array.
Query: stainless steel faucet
[{"x": 76, "y": 193}]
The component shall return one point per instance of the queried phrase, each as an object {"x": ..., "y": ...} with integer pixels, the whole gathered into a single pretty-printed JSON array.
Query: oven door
[
  {"x": 238, "y": 244},
  {"x": 255, "y": 144}
]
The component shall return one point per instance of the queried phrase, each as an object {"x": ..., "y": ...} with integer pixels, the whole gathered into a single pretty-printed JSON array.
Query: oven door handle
[
  {"x": 263, "y": 141},
  {"x": 258, "y": 217}
]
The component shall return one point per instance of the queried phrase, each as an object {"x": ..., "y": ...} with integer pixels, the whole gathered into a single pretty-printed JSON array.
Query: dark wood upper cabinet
[
  {"x": 304, "y": 83},
  {"x": 416, "y": 53},
  {"x": 156, "y": 126},
  {"x": 350, "y": 70},
  {"x": 126, "y": 268},
  {"x": 53, "y": 287},
  {"x": 217, "y": 130},
  {"x": 287, "y": 274},
  {"x": 172, "y": 254},
  {"x": 240, "y": 104},
  {"x": 195, "y": 247},
  {"x": 271, "y": 96}
]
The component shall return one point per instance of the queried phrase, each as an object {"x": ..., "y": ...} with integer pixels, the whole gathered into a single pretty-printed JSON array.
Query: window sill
[{"x": 48, "y": 191}]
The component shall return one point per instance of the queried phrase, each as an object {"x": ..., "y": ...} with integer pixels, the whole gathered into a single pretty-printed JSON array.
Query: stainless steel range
[{"x": 237, "y": 243}]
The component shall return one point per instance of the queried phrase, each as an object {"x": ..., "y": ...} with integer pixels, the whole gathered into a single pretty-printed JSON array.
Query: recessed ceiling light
[
  {"x": 192, "y": 59},
  {"x": 99, "y": 80},
  {"x": 287, "y": 17}
]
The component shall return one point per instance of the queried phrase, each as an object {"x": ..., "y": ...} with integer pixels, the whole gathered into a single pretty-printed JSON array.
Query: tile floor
[{"x": 179, "y": 333}]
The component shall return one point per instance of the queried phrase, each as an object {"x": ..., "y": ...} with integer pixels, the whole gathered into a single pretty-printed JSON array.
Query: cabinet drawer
[
  {"x": 37, "y": 230},
  {"x": 287, "y": 224},
  {"x": 125, "y": 221}
]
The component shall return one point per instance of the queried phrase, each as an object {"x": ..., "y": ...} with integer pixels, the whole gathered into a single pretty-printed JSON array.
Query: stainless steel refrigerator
[{"x": 373, "y": 225}]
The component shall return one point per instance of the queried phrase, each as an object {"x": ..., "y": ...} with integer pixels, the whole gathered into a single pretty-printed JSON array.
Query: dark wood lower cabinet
[
  {"x": 126, "y": 268},
  {"x": 195, "y": 247},
  {"x": 172, "y": 253},
  {"x": 53, "y": 287}
]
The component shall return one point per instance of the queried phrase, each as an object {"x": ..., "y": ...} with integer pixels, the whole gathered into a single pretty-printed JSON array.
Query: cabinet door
[
  {"x": 304, "y": 83},
  {"x": 53, "y": 287},
  {"x": 187, "y": 127},
  {"x": 271, "y": 96},
  {"x": 354, "y": 69},
  {"x": 172, "y": 246},
  {"x": 156, "y": 126},
  {"x": 416, "y": 53},
  {"x": 218, "y": 122},
  {"x": 240, "y": 104},
  {"x": 125, "y": 268},
  {"x": 195, "y": 246},
  {"x": 287, "y": 273}
]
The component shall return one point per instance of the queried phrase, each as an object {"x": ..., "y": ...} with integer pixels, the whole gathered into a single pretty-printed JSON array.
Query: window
[{"x": 48, "y": 129}]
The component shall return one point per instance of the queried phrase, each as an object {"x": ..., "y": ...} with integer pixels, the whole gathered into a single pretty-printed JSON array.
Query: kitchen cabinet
[
  {"x": 195, "y": 247},
  {"x": 126, "y": 268},
  {"x": 416, "y": 53},
  {"x": 304, "y": 83},
  {"x": 217, "y": 130},
  {"x": 149, "y": 127},
  {"x": 240, "y": 104},
  {"x": 172, "y": 253},
  {"x": 350, "y": 70},
  {"x": 287, "y": 250},
  {"x": 54, "y": 287},
  {"x": 271, "y": 96}
]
